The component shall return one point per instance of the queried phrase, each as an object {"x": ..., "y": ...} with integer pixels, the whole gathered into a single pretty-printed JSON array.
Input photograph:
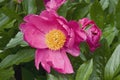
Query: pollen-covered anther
[{"x": 55, "y": 39}]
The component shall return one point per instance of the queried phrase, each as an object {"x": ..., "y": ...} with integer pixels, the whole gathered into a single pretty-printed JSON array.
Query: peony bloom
[
  {"x": 53, "y": 4},
  {"x": 52, "y": 36},
  {"x": 92, "y": 31}
]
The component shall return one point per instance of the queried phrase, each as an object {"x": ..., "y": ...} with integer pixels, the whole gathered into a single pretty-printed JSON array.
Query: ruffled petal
[
  {"x": 85, "y": 22},
  {"x": 60, "y": 62},
  {"x": 40, "y": 57},
  {"x": 48, "y": 15},
  {"x": 93, "y": 37},
  {"x": 74, "y": 50},
  {"x": 43, "y": 25},
  {"x": 33, "y": 36},
  {"x": 53, "y": 4},
  {"x": 60, "y": 21},
  {"x": 71, "y": 39},
  {"x": 80, "y": 34},
  {"x": 92, "y": 31},
  {"x": 67, "y": 67},
  {"x": 55, "y": 59}
]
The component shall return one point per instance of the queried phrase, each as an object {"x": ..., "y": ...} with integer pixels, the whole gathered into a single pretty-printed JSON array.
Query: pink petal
[
  {"x": 60, "y": 21},
  {"x": 40, "y": 23},
  {"x": 33, "y": 36},
  {"x": 85, "y": 22},
  {"x": 93, "y": 33},
  {"x": 67, "y": 67},
  {"x": 53, "y": 4},
  {"x": 79, "y": 33},
  {"x": 40, "y": 57},
  {"x": 55, "y": 59},
  {"x": 48, "y": 15},
  {"x": 71, "y": 39},
  {"x": 74, "y": 50},
  {"x": 60, "y": 62}
]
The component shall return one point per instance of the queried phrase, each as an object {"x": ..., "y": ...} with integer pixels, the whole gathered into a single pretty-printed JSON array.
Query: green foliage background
[{"x": 16, "y": 55}]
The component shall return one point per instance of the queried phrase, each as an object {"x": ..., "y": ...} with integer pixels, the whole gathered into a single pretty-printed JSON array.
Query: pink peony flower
[
  {"x": 53, "y": 4},
  {"x": 92, "y": 31},
  {"x": 52, "y": 36}
]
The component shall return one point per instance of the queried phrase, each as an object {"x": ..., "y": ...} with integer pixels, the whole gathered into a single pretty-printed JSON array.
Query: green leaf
[
  {"x": 80, "y": 11},
  {"x": 85, "y": 70},
  {"x": 113, "y": 65},
  {"x": 112, "y": 5},
  {"x": 117, "y": 15},
  {"x": 117, "y": 78},
  {"x": 29, "y": 6},
  {"x": 100, "y": 57},
  {"x": 6, "y": 35},
  {"x": 109, "y": 34},
  {"x": 27, "y": 75},
  {"x": 16, "y": 41},
  {"x": 97, "y": 14},
  {"x": 24, "y": 55},
  {"x": 104, "y": 3},
  {"x": 57, "y": 76},
  {"x": 1, "y": 1},
  {"x": 6, "y": 74},
  {"x": 10, "y": 13},
  {"x": 6, "y": 22},
  {"x": 3, "y": 19},
  {"x": 63, "y": 9}
]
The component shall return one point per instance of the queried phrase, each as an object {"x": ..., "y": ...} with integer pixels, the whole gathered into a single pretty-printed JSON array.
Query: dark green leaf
[
  {"x": 27, "y": 75},
  {"x": 63, "y": 10},
  {"x": 85, "y": 71},
  {"x": 6, "y": 35},
  {"x": 97, "y": 14},
  {"x": 21, "y": 56},
  {"x": 6, "y": 74},
  {"x": 113, "y": 65},
  {"x": 29, "y": 6},
  {"x": 100, "y": 58},
  {"x": 16, "y": 41},
  {"x": 117, "y": 78},
  {"x": 56, "y": 76},
  {"x": 10, "y": 13},
  {"x": 80, "y": 11},
  {"x": 117, "y": 15},
  {"x": 3, "y": 20}
]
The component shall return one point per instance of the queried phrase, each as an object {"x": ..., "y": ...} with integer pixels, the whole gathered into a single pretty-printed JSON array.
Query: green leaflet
[
  {"x": 57, "y": 76},
  {"x": 85, "y": 70},
  {"x": 16, "y": 41},
  {"x": 117, "y": 15},
  {"x": 29, "y": 6},
  {"x": 97, "y": 14},
  {"x": 112, "y": 67},
  {"x": 21, "y": 56},
  {"x": 6, "y": 74}
]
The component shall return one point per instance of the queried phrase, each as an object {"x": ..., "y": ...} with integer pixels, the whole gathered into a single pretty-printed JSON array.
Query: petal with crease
[{"x": 33, "y": 36}]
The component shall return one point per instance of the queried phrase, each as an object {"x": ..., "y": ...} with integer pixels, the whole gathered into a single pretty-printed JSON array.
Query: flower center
[{"x": 55, "y": 39}]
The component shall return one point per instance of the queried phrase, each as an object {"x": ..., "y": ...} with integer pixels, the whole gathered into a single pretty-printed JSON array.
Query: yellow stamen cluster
[{"x": 55, "y": 39}]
